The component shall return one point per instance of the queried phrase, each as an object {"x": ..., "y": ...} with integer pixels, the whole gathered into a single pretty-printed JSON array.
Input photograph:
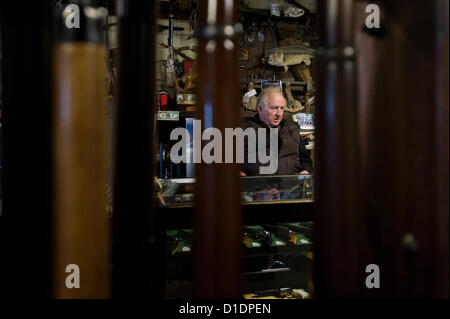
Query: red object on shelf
[{"x": 162, "y": 101}]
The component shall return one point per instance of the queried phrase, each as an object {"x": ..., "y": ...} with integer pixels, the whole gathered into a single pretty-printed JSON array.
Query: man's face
[{"x": 272, "y": 113}]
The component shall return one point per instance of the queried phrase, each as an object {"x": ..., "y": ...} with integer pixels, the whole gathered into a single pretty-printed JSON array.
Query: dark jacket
[{"x": 293, "y": 157}]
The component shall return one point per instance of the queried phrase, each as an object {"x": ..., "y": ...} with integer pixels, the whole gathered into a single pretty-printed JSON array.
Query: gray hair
[{"x": 264, "y": 95}]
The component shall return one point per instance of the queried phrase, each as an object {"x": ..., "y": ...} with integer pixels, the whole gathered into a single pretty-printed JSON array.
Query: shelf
[{"x": 253, "y": 248}]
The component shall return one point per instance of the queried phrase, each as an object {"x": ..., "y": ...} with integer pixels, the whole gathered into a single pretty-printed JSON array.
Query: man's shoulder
[
  {"x": 290, "y": 124},
  {"x": 248, "y": 121}
]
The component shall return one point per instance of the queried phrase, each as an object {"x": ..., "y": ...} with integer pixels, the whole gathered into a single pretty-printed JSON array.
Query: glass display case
[
  {"x": 255, "y": 190},
  {"x": 277, "y": 234}
]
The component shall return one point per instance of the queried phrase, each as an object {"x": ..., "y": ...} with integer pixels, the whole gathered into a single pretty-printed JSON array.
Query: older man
[{"x": 293, "y": 157}]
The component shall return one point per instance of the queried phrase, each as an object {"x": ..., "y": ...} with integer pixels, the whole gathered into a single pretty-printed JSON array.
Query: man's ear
[{"x": 259, "y": 109}]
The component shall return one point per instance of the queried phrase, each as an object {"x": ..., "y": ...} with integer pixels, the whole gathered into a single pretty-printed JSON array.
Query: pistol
[
  {"x": 282, "y": 232},
  {"x": 261, "y": 235}
]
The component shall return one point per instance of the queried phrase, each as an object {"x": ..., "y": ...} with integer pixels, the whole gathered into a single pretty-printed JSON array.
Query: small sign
[{"x": 168, "y": 115}]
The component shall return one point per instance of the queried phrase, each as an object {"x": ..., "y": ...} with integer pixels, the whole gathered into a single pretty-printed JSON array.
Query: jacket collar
[{"x": 258, "y": 121}]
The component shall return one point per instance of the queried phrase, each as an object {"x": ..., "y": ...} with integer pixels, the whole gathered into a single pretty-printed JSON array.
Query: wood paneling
[
  {"x": 340, "y": 229},
  {"x": 80, "y": 223},
  {"x": 218, "y": 217}
]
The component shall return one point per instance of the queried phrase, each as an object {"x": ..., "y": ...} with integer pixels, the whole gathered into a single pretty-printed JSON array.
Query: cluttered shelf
[
  {"x": 277, "y": 44},
  {"x": 255, "y": 189}
]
